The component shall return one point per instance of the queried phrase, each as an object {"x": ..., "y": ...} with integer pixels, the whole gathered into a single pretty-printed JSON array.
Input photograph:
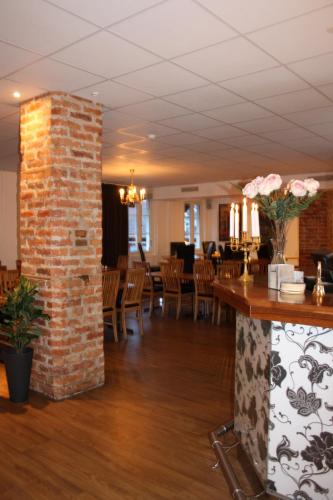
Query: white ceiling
[{"x": 230, "y": 89}]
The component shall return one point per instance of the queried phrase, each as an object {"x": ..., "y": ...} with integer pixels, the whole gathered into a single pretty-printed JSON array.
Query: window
[
  {"x": 139, "y": 226},
  {"x": 192, "y": 224}
]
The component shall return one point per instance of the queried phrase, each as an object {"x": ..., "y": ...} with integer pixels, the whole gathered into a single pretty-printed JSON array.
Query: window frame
[
  {"x": 192, "y": 203},
  {"x": 139, "y": 228}
]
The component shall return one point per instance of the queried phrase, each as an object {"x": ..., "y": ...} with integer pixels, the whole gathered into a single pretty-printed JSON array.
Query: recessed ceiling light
[
  {"x": 17, "y": 94},
  {"x": 95, "y": 93},
  {"x": 151, "y": 136}
]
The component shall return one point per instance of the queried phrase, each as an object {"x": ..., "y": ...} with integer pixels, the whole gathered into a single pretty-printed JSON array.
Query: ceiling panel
[
  {"x": 323, "y": 129},
  {"x": 53, "y": 75},
  {"x": 220, "y": 133},
  {"x": 238, "y": 112},
  {"x": 312, "y": 116},
  {"x": 7, "y": 87},
  {"x": 109, "y": 63},
  {"x": 251, "y": 15},
  {"x": 38, "y": 26},
  {"x": 246, "y": 140},
  {"x": 190, "y": 122},
  {"x": 292, "y": 135},
  {"x": 202, "y": 98},
  {"x": 112, "y": 94},
  {"x": 7, "y": 109},
  {"x": 115, "y": 120},
  {"x": 298, "y": 38},
  {"x": 327, "y": 90},
  {"x": 181, "y": 139},
  {"x": 227, "y": 60},
  {"x": 155, "y": 109},
  {"x": 316, "y": 70},
  {"x": 161, "y": 79},
  {"x": 173, "y": 28},
  {"x": 104, "y": 12},
  {"x": 266, "y": 125},
  {"x": 13, "y": 58},
  {"x": 265, "y": 83},
  {"x": 9, "y": 147},
  {"x": 295, "y": 101},
  {"x": 9, "y": 129}
]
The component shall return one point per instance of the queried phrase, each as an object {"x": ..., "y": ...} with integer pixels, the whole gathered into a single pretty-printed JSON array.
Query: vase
[
  {"x": 279, "y": 242},
  {"x": 18, "y": 370}
]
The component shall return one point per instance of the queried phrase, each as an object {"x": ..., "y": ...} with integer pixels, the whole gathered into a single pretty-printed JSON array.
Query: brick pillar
[{"x": 61, "y": 238}]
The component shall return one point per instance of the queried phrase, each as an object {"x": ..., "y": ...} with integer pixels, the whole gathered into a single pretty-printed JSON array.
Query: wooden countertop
[{"x": 257, "y": 301}]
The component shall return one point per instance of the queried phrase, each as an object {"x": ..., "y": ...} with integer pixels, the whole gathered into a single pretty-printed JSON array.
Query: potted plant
[{"x": 18, "y": 325}]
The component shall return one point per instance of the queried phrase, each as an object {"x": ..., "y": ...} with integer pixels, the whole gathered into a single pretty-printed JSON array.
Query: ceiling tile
[
  {"x": 161, "y": 79},
  {"x": 212, "y": 147},
  {"x": 115, "y": 120},
  {"x": 9, "y": 147},
  {"x": 265, "y": 83},
  {"x": 39, "y": 26},
  {"x": 288, "y": 136},
  {"x": 190, "y": 122},
  {"x": 7, "y": 87},
  {"x": 312, "y": 117},
  {"x": 227, "y": 60},
  {"x": 220, "y": 133},
  {"x": 8, "y": 129},
  {"x": 316, "y": 70},
  {"x": 154, "y": 110},
  {"x": 113, "y": 94},
  {"x": 295, "y": 101},
  {"x": 246, "y": 140},
  {"x": 250, "y": 16},
  {"x": 298, "y": 38},
  {"x": 266, "y": 125},
  {"x": 104, "y": 12},
  {"x": 144, "y": 129},
  {"x": 323, "y": 129},
  {"x": 53, "y": 75},
  {"x": 7, "y": 109},
  {"x": 327, "y": 90},
  {"x": 181, "y": 139},
  {"x": 315, "y": 146},
  {"x": 13, "y": 58},
  {"x": 106, "y": 55},
  {"x": 202, "y": 98},
  {"x": 238, "y": 112},
  {"x": 173, "y": 28}
]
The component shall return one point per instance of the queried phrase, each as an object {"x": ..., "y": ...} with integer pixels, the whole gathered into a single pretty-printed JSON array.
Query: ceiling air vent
[{"x": 189, "y": 189}]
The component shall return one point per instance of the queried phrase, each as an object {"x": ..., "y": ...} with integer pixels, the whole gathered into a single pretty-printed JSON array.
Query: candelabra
[{"x": 246, "y": 245}]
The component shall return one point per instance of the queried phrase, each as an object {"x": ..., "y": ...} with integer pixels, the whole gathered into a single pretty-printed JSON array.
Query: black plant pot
[{"x": 18, "y": 371}]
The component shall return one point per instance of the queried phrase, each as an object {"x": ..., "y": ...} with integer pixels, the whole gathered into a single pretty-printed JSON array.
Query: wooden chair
[
  {"x": 173, "y": 287},
  {"x": 227, "y": 270},
  {"x": 203, "y": 274},
  {"x": 9, "y": 279},
  {"x": 122, "y": 265},
  {"x": 111, "y": 280},
  {"x": 151, "y": 287},
  {"x": 132, "y": 297},
  {"x": 259, "y": 266}
]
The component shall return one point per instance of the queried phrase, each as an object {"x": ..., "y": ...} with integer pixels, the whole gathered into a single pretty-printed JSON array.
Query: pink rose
[
  {"x": 250, "y": 190},
  {"x": 298, "y": 188},
  {"x": 311, "y": 186},
  {"x": 271, "y": 183}
]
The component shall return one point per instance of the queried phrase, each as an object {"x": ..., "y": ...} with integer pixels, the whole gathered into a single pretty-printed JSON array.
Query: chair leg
[
  {"x": 151, "y": 304},
  {"x": 179, "y": 305},
  {"x": 123, "y": 322},
  {"x": 163, "y": 306},
  {"x": 195, "y": 316},
  {"x": 140, "y": 320},
  {"x": 114, "y": 325},
  {"x": 219, "y": 314},
  {"x": 213, "y": 312}
]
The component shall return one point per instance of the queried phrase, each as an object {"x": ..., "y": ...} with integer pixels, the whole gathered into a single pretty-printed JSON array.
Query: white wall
[{"x": 8, "y": 218}]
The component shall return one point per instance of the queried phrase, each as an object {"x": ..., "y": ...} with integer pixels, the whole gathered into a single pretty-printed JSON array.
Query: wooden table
[{"x": 283, "y": 389}]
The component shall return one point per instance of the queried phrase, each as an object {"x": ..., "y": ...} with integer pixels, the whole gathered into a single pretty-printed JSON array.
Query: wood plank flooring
[{"x": 141, "y": 436}]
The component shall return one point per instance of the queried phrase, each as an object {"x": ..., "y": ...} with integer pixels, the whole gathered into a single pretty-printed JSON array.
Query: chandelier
[{"x": 130, "y": 196}]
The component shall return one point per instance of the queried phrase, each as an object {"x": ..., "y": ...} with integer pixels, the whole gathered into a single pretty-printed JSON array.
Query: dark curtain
[{"x": 115, "y": 225}]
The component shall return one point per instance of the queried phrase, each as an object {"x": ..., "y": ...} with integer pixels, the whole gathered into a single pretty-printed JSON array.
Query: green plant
[{"x": 19, "y": 315}]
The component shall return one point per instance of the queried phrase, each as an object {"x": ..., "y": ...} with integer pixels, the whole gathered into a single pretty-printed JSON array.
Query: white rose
[
  {"x": 298, "y": 188},
  {"x": 250, "y": 190},
  {"x": 271, "y": 183},
  {"x": 311, "y": 186}
]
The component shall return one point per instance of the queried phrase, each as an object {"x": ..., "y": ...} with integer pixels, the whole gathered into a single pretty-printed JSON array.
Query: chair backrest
[
  {"x": 229, "y": 269},
  {"x": 221, "y": 252},
  {"x": 174, "y": 246},
  {"x": 206, "y": 245},
  {"x": 171, "y": 275},
  {"x": 259, "y": 266},
  {"x": 110, "y": 280},
  {"x": 148, "y": 281},
  {"x": 132, "y": 291},
  {"x": 9, "y": 279},
  {"x": 211, "y": 249},
  {"x": 203, "y": 274},
  {"x": 122, "y": 262},
  {"x": 186, "y": 252},
  {"x": 142, "y": 254}
]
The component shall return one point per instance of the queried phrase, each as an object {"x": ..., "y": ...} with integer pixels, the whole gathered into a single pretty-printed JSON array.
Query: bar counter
[{"x": 283, "y": 414}]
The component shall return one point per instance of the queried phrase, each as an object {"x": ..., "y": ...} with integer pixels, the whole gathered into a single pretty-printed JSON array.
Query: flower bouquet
[{"x": 281, "y": 204}]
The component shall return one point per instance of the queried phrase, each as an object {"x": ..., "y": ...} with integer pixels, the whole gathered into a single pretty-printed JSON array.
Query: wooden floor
[{"x": 141, "y": 436}]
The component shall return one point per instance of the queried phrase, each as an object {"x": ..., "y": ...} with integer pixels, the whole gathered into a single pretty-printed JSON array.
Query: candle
[
  {"x": 244, "y": 216},
  {"x": 257, "y": 221},
  {"x": 232, "y": 220},
  {"x": 237, "y": 221},
  {"x": 253, "y": 220}
]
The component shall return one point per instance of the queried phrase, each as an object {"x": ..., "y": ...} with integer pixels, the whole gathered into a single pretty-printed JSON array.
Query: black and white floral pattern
[{"x": 284, "y": 405}]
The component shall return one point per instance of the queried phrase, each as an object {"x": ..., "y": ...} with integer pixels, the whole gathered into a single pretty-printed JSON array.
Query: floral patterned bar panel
[{"x": 284, "y": 405}]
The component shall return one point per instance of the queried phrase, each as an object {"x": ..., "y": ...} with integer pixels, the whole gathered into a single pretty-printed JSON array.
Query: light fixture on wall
[{"x": 130, "y": 196}]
